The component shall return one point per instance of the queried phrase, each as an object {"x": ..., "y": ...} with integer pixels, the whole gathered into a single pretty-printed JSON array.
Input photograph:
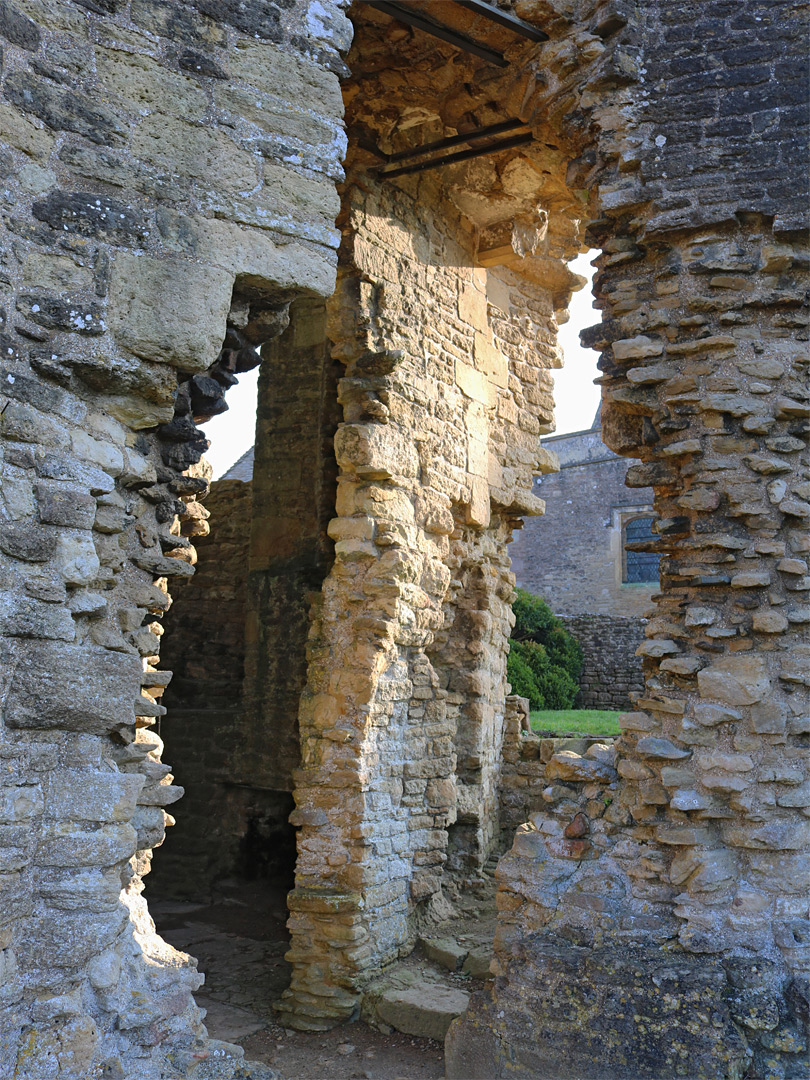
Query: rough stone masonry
[{"x": 181, "y": 188}]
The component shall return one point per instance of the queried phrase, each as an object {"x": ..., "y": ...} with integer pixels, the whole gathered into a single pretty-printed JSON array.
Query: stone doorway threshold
[{"x": 239, "y": 938}]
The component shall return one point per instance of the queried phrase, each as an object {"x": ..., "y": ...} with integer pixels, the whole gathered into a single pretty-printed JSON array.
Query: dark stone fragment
[
  {"x": 10, "y": 350},
  {"x": 27, "y": 542},
  {"x": 102, "y": 7},
  {"x": 167, "y": 511},
  {"x": 172, "y": 20},
  {"x": 199, "y": 64},
  {"x": 179, "y": 429},
  {"x": 182, "y": 401},
  {"x": 21, "y": 455},
  {"x": 62, "y": 110},
  {"x": 65, "y": 506},
  {"x": 18, "y": 28},
  {"x": 52, "y": 592},
  {"x": 207, "y": 398},
  {"x": 33, "y": 333},
  {"x": 180, "y": 456},
  {"x": 78, "y": 688},
  {"x": 78, "y": 316},
  {"x": 257, "y": 17},
  {"x": 188, "y": 485},
  {"x": 674, "y": 526},
  {"x": 91, "y": 214}
]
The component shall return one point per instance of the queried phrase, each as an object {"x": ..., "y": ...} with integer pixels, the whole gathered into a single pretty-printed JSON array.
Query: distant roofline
[{"x": 571, "y": 434}]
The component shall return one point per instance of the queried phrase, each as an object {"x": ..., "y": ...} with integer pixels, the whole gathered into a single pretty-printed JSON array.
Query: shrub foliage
[{"x": 545, "y": 661}]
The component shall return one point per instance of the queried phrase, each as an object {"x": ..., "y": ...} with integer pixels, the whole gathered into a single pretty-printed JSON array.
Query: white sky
[{"x": 576, "y": 397}]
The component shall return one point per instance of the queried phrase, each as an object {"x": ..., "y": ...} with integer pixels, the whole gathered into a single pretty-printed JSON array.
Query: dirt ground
[{"x": 239, "y": 940}]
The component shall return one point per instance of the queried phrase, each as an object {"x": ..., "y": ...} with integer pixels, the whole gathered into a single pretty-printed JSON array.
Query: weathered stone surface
[
  {"x": 169, "y": 311},
  {"x": 425, "y": 1010},
  {"x": 79, "y": 689},
  {"x": 735, "y": 680}
]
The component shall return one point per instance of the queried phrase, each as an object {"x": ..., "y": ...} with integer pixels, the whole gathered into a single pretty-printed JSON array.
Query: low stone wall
[
  {"x": 550, "y": 782},
  {"x": 612, "y": 671}
]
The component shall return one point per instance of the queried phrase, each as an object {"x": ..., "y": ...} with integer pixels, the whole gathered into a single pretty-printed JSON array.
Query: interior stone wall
[
  {"x": 436, "y": 459},
  {"x": 290, "y": 553},
  {"x": 168, "y": 182},
  {"x": 204, "y": 647}
]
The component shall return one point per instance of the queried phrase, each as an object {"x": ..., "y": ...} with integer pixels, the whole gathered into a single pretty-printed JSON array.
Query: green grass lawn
[{"x": 581, "y": 721}]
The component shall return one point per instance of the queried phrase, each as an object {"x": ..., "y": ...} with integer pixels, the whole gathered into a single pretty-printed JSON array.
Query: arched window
[{"x": 639, "y": 566}]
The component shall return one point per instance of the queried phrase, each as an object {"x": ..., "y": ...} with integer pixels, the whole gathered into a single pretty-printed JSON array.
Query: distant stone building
[{"x": 576, "y": 558}]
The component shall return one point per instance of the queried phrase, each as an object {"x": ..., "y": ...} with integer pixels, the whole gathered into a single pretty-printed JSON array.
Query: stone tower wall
[
  {"x": 704, "y": 355},
  {"x": 611, "y": 671},
  {"x": 168, "y": 177}
]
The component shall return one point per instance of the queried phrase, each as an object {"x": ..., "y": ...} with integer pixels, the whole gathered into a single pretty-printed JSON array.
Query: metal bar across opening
[
  {"x": 457, "y": 140},
  {"x": 503, "y": 18},
  {"x": 413, "y": 18},
  {"x": 461, "y": 155}
]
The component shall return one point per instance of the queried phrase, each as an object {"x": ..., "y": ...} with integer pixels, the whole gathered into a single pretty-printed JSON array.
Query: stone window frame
[{"x": 621, "y": 516}]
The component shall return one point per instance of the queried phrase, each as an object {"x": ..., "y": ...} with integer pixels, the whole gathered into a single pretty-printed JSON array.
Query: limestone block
[
  {"x": 478, "y": 511},
  {"x": 32, "y": 618},
  {"x": 287, "y": 75},
  {"x": 445, "y": 951},
  {"x": 55, "y": 273},
  {"x": 651, "y": 746},
  {"x": 735, "y": 680},
  {"x": 249, "y": 252},
  {"x": 91, "y": 795},
  {"x": 76, "y": 557},
  {"x": 472, "y": 308},
  {"x": 20, "y": 802},
  {"x": 636, "y": 348},
  {"x": 77, "y": 688},
  {"x": 796, "y": 666},
  {"x": 66, "y": 843},
  {"x": 375, "y": 451},
  {"x": 426, "y": 1010},
  {"x": 474, "y": 384},
  {"x": 84, "y": 889},
  {"x": 105, "y": 455},
  {"x": 568, "y": 765},
  {"x": 138, "y": 82},
  {"x": 201, "y": 154},
  {"x": 29, "y": 425},
  {"x": 25, "y": 133},
  {"x": 168, "y": 310},
  {"x": 491, "y": 361}
]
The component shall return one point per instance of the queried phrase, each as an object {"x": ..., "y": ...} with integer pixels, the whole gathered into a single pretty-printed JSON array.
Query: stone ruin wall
[
  {"x": 220, "y": 225},
  {"x": 704, "y": 357},
  {"x": 402, "y": 716},
  {"x": 611, "y": 671},
  {"x": 158, "y": 187}
]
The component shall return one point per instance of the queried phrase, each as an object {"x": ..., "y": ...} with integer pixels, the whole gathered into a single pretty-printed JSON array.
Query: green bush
[{"x": 545, "y": 661}]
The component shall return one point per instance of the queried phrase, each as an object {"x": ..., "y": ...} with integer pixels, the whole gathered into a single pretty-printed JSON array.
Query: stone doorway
[{"x": 235, "y": 638}]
